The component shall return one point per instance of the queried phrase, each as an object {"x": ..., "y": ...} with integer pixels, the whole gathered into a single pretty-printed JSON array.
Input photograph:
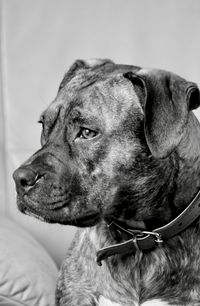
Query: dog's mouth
[
  {"x": 58, "y": 213},
  {"x": 31, "y": 208},
  {"x": 53, "y": 205}
]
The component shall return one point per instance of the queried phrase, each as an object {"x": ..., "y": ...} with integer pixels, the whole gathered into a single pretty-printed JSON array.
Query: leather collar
[{"x": 139, "y": 240}]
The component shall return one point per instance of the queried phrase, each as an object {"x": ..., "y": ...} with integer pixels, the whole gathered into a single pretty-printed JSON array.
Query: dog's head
[{"x": 106, "y": 143}]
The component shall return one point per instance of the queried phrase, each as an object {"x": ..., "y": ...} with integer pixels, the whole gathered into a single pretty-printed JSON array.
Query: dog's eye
[{"x": 86, "y": 133}]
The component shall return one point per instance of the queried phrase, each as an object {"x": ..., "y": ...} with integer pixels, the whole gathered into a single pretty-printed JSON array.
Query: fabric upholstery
[{"x": 27, "y": 273}]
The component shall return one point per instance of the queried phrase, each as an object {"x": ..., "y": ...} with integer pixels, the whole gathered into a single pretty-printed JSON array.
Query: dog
[{"x": 119, "y": 159}]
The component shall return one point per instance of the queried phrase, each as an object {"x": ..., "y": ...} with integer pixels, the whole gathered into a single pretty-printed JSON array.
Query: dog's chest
[
  {"x": 105, "y": 302},
  {"x": 120, "y": 281}
]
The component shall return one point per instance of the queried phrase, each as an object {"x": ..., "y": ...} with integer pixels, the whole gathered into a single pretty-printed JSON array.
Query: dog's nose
[{"x": 25, "y": 177}]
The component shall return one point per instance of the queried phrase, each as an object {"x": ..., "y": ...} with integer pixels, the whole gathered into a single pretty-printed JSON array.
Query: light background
[{"x": 40, "y": 39}]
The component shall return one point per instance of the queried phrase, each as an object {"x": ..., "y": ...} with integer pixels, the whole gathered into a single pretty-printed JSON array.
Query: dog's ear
[
  {"x": 86, "y": 64},
  {"x": 168, "y": 101},
  {"x": 82, "y": 65}
]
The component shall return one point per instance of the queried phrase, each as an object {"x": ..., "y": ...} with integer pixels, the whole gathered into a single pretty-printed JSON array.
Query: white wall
[{"x": 39, "y": 41}]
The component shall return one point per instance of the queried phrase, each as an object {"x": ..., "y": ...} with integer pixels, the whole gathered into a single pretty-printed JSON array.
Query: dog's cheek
[
  {"x": 86, "y": 191},
  {"x": 100, "y": 173},
  {"x": 97, "y": 188},
  {"x": 103, "y": 186}
]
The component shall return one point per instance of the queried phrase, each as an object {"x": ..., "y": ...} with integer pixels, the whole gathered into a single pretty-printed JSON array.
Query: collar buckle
[
  {"x": 142, "y": 234},
  {"x": 158, "y": 237},
  {"x": 159, "y": 241}
]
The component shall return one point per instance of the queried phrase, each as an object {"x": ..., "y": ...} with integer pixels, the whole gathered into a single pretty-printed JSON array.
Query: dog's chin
[{"x": 90, "y": 218}]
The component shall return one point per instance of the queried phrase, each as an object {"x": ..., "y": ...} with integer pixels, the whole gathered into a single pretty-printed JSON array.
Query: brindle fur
[{"x": 143, "y": 166}]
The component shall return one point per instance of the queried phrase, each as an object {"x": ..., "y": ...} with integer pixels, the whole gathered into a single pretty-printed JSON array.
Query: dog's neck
[{"x": 188, "y": 151}]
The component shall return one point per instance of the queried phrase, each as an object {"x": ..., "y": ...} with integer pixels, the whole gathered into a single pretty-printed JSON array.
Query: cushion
[{"x": 27, "y": 273}]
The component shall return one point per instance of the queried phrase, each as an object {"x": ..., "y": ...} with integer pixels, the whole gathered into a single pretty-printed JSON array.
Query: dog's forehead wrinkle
[{"x": 53, "y": 110}]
